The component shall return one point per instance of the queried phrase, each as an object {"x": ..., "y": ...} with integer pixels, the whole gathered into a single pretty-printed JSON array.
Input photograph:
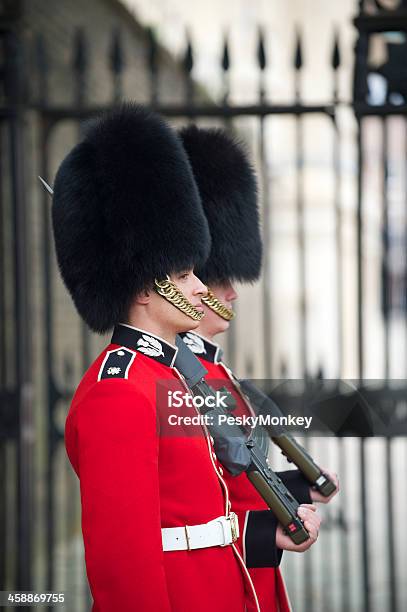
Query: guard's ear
[{"x": 144, "y": 297}]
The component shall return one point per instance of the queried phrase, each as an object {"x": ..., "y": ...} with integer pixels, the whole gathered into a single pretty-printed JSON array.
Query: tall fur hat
[
  {"x": 228, "y": 189},
  {"x": 126, "y": 210}
]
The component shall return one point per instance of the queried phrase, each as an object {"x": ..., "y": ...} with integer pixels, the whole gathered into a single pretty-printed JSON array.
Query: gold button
[
  {"x": 214, "y": 456},
  {"x": 212, "y": 440},
  {"x": 220, "y": 471}
]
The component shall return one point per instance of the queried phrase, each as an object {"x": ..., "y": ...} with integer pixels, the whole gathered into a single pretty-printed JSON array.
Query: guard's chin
[
  {"x": 189, "y": 324},
  {"x": 223, "y": 326}
]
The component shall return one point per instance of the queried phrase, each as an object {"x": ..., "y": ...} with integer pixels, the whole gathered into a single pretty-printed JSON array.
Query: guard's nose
[{"x": 200, "y": 288}]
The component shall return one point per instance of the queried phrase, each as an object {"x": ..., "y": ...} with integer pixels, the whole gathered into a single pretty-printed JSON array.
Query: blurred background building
[{"x": 318, "y": 90}]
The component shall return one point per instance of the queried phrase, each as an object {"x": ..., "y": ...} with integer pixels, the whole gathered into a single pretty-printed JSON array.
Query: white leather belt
[{"x": 221, "y": 531}]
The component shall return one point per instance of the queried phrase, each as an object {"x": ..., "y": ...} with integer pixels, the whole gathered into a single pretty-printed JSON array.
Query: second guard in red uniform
[{"x": 227, "y": 184}]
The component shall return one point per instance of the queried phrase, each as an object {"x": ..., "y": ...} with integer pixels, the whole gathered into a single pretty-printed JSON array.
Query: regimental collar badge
[
  {"x": 202, "y": 347},
  {"x": 146, "y": 343}
]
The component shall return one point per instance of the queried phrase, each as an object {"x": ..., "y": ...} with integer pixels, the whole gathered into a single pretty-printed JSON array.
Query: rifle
[
  {"x": 289, "y": 446},
  {"x": 238, "y": 453}
]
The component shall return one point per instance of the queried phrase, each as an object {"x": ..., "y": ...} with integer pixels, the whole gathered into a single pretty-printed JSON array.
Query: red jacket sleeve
[{"x": 117, "y": 450}]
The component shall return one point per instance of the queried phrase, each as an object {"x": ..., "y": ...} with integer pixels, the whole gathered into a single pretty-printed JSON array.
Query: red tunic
[
  {"x": 257, "y": 523},
  {"x": 134, "y": 481}
]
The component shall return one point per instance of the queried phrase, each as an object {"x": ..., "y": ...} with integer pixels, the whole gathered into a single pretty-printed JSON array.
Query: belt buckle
[
  {"x": 234, "y": 526},
  {"x": 187, "y": 537}
]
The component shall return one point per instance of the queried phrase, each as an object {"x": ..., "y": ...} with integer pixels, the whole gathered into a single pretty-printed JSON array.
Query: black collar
[
  {"x": 146, "y": 343},
  {"x": 202, "y": 347}
]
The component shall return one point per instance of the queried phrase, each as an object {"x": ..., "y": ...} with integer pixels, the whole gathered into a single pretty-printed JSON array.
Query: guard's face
[
  {"x": 212, "y": 323},
  {"x": 193, "y": 290}
]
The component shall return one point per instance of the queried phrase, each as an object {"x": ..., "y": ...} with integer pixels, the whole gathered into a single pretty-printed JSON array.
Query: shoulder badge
[{"x": 116, "y": 364}]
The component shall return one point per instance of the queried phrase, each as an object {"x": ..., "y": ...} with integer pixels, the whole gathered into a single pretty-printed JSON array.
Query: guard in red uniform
[
  {"x": 129, "y": 228},
  {"x": 228, "y": 189}
]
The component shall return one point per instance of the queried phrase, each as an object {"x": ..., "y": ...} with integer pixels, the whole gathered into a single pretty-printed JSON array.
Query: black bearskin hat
[
  {"x": 126, "y": 210},
  {"x": 228, "y": 189}
]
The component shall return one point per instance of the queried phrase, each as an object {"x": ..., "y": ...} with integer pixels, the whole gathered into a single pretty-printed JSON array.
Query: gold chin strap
[
  {"x": 169, "y": 290},
  {"x": 216, "y": 305}
]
